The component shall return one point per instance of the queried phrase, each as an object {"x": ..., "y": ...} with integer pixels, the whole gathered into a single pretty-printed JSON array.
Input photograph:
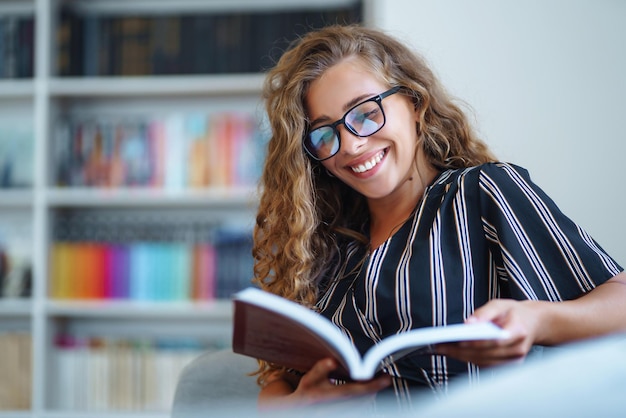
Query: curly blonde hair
[{"x": 306, "y": 217}]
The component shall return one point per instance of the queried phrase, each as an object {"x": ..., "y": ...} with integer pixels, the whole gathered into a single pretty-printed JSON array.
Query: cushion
[{"x": 215, "y": 382}]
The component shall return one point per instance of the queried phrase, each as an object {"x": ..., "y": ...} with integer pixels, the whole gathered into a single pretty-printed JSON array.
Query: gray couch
[{"x": 216, "y": 384}]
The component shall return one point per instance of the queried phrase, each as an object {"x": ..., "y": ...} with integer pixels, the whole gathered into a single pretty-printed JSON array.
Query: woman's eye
[{"x": 370, "y": 114}]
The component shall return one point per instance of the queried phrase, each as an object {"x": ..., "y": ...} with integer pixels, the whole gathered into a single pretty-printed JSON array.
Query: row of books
[
  {"x": 171, "y": 151},
  {"x": 151, "y": 271},
  {"x": 108, "y": 374},
  {"x": 202, "y": 43},
  {"x": 159, "y": 255},
  {"x": 16, "y": 152},
  {"x": 16, "y": 375},
  {"x": 16, "y": 46}
]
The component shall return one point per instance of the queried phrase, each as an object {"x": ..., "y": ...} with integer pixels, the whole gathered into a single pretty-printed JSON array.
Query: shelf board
[
  {"x": 139, "y": 197},
  {"x": 16, "y": 414},
  {"x": 17, "y": 7},
  {"x": 17, "y": 88},
  {"x": 16, "y": 198},
  {"x": 214, "y": 85},
  {"x": 15, "y": 307},
  {"x": 218, "y": 309},
  {"x": 93, "y": 414}
]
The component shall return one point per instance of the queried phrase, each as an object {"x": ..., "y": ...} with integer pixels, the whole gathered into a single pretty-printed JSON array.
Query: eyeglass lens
[{"x": 363, "y": 120}]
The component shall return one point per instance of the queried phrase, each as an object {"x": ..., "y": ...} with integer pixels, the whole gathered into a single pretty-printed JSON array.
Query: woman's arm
[{"x": 599, "y": 312}]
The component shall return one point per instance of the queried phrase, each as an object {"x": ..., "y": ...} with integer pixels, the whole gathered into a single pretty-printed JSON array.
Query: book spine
[
  {"x": 140, "y": 271},
  {"x": 91, "y": 47},
  {"x": 3, "y": 47},
  {"x": 207, "y": 281},
  {"x": 10, "y": 46},
  {"x": 182, "y": 266},
  {"x": 15, "y": 361},
  {"x": 121, "y": 268},
  {"x": 175, "y": 150}
]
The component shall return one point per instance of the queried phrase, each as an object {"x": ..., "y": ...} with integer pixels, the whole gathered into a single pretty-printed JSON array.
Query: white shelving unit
[
  {"x": 46, "y": 96},
  {"x": 16, "y": 89}
]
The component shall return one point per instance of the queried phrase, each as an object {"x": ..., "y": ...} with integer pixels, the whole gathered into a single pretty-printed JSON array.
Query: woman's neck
[{"x": 389, "y": 214}]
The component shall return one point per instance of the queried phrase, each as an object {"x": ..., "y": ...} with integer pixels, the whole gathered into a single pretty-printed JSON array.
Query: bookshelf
[{"x": 54, "y": 102}]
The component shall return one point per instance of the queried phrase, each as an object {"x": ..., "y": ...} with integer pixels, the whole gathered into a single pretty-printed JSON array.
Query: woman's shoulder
[
  {"x": 497, "y": 174},
  {"x": 494, "y": 170},
  {"x": 501, "y": 167},
  {"x": 498, "y": 167},
  {"x": 504, "y": 173}
]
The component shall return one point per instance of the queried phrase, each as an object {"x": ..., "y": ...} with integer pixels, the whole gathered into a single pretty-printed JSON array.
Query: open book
[{"x": 280, "y": 331}]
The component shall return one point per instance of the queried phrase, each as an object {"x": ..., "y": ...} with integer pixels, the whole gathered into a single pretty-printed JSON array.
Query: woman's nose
[{"x": 351, "y": 143}]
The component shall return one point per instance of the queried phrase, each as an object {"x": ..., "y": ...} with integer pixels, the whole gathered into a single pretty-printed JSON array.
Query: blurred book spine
[
  {"x": 15, "y": 363},
  {"x": 16, "y": 152},
  {"x": 15, "y": 257}
]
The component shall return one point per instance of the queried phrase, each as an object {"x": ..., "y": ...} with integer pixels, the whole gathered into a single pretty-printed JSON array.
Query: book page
[{"x": 405, "y": 343}]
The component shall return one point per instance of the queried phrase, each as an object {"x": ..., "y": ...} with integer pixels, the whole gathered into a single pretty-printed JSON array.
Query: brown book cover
[{"x": 280, "y": 331}]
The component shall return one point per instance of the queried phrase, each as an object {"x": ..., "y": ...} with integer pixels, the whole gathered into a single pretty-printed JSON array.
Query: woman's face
[{"x": 377, "y": 166}]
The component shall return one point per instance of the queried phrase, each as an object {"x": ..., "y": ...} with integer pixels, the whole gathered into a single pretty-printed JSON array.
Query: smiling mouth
[{"x": 368, "y": 165}]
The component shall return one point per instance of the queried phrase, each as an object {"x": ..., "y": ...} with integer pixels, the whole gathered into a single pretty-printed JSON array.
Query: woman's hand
[
  {"x": 520, "y": 319},
  {"x": 315, "y": 387},
  {"x": 599, "y": 312}
]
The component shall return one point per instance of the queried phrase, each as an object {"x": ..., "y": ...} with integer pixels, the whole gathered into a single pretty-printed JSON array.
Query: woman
[{"x": 383, "y": 211}]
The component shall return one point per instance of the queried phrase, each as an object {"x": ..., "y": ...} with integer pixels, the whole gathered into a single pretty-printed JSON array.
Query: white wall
[{"x": 547, "y": 82}]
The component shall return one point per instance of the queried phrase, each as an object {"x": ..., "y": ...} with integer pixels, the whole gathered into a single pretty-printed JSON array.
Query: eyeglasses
[{"x": 363, "y": 119}]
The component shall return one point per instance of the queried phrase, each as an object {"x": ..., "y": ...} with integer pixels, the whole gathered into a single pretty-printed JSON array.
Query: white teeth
[{"x": 368, "y": 165}]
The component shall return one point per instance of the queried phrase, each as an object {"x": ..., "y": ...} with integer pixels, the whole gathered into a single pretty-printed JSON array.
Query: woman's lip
[
  {"x": 367, "y": 164},
  {"x": 365, "y": 158}
]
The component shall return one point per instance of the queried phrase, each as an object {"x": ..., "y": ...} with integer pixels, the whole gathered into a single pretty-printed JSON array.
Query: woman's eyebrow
[
  {"x": 358, "y": 100},
  {"x": 346, "y": 107},
  {"x": 319, "y": 120}
]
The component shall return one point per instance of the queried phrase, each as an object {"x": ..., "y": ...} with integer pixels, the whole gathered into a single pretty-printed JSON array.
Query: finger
[
  {"x": 485, "y": 352},
  {"x": 484, "y": 358},
  {"x": 494, "y": 311},
  {"x": 320, "y": 372},
  {"x": 475, "y": 345},
  {"x": 374, "y": 385},
  {"x": 487, "y": 346},
  {"x": 364, "y": 388},
  {"x": 316, "y": 386},
  {"x": 512, "y": 339}
]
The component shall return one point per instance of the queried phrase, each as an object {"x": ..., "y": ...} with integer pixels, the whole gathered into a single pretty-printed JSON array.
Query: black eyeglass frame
[{"x": 378, "y": 99}]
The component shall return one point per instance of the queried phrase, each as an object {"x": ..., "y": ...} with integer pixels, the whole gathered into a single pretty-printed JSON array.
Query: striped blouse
[{"x": 477, "y": 234}]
